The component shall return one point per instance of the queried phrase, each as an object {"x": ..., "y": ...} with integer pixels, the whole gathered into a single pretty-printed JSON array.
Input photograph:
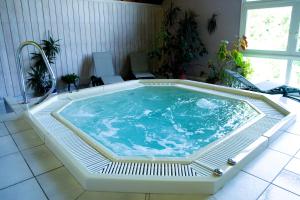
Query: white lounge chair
[
  {"x": 139, "y": 62},
  {"x": 103, "y": 68}
]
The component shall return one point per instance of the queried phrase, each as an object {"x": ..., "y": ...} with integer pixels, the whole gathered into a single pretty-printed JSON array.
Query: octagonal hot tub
[
  {"x": 160, "y": 136},
  {"x": 151, "y": 123}
]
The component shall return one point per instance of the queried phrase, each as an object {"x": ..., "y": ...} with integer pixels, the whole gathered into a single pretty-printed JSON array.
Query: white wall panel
[{"x": 82, "y": 27}]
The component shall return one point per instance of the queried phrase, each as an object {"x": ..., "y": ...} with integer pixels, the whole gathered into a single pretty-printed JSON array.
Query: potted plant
[
  {"x": 165, "y": 50},
  {"x": 70, "y": 79},
  {"x": 230, "y": 58},
  {"x": 39, "y": 78},
  {"x": 189, "y": 44},
  {"x": 178, "y": 44}
]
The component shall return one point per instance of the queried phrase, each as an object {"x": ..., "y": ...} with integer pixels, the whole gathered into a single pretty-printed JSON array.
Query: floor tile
[
  {"x": 287, "y": 143},
  {"x": 243, "y": 187},
  {"x": 180, "y": 197},
  {"x": 7, "y": 145},
  {"x": 27, "y": 190},
  {"x": 294, "y": 128},
  {"x": 59, "y": 184},
  {"x": 13, "y": 169},
  {"x": 267, "y": 165},
  {"x": 2, "y": 106},
  {"x": 9, "y": 116},
  {"x": 27, "y": 139},
  {"x": 18, "y": 125},
  {"x": 40, "y": 159},
  {"x": 289, "y": 181},
  {"x": 3, "y": 130},
  {"x": 275, "y": 193},
  {"x": 111, "y": 196},
  {"x": 294, "y": 166}
]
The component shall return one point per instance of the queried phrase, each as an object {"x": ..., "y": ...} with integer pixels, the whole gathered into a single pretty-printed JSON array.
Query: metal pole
[{"x": 21, "y": 71}]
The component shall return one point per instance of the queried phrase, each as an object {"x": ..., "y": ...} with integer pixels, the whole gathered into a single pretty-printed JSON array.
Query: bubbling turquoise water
[{"x": 162, "y": 121}]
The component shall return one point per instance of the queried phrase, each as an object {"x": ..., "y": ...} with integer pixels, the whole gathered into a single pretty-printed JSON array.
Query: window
[
  {"x": 272, "y": 28},
  {"x": 268, "y": 69},
  {"x": 266, "y": 25},
  {"x": 295, "y": 75}
]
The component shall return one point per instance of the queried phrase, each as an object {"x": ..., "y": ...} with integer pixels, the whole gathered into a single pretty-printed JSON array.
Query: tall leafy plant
[
  {"x": 166, "y": 43},
  {"x": 189, "y": 44},
  {"x": 39, "y": 78},
  {"x": 179, "y": 42}
]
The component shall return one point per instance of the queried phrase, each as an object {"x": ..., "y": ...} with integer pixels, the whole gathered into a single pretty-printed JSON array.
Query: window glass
[
  {"x": 268, "y": 69},
  {"x": 268, "y": 28},
  {"x": 295, "y": 75}
]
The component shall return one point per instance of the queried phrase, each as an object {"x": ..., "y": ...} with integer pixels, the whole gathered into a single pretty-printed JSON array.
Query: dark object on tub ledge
[{"x": 96, "y": 81}]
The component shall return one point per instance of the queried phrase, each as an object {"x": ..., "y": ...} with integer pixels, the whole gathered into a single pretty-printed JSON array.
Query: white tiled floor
[
  {"x": 276, "y": 193},
  {"x": 60, "y": 184},
  {"x": 3, "y": 130},
  {"x": 28, "y": 170},
  {"x": 286, "y": 139},
  {"x": 289, "y": 181},
  {"x": 26, "y": 190},
  {"x": 40, "y": 159},
  {"x": 179, "y": 197},
  {"x": 294, "y": 166},
  {"x": 7, "y": 145},
  {"x": 243, "y": 186},
  {"x": 2, "y": 107},
  {"x": 27, "y": 139},
  {"x": 13, "y": 169},
  {"x": 111, "y": 196},
  {"x": 260, "y": 167},
  {"x": 15, "y": 126},
  {"x": 295, "y": 128}
]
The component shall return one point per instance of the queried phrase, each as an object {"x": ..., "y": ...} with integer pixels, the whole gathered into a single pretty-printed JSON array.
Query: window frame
[{"x": 291, "y": 53}]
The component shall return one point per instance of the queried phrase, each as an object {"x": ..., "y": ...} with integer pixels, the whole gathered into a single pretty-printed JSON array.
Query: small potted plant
[{"x": 70, "y": 79}]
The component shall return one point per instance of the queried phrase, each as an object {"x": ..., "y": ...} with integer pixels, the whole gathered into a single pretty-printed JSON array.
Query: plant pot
[{"x": 182, "y": 76}]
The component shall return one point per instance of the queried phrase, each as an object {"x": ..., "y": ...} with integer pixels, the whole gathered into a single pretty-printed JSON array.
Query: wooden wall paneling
[
  {"x": 67, "y": 37},
  {"x": 77, "y": 36},
  {"x": 82, "y": 27},
  {"x": 21, "y": 31},
  {"x": 55, "y": 34},
  {"x": 8, "y": 44},
  {"x": 2, "y": 81},
  {"x": 116, "y": 36},
  {"x": 120, "y": 36},
  {"x": 72, "y": 41},
  {"x": 95, "y": 20},
  {"x": 62, "y": 38},
  {"x": 5, "y": 66}
]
